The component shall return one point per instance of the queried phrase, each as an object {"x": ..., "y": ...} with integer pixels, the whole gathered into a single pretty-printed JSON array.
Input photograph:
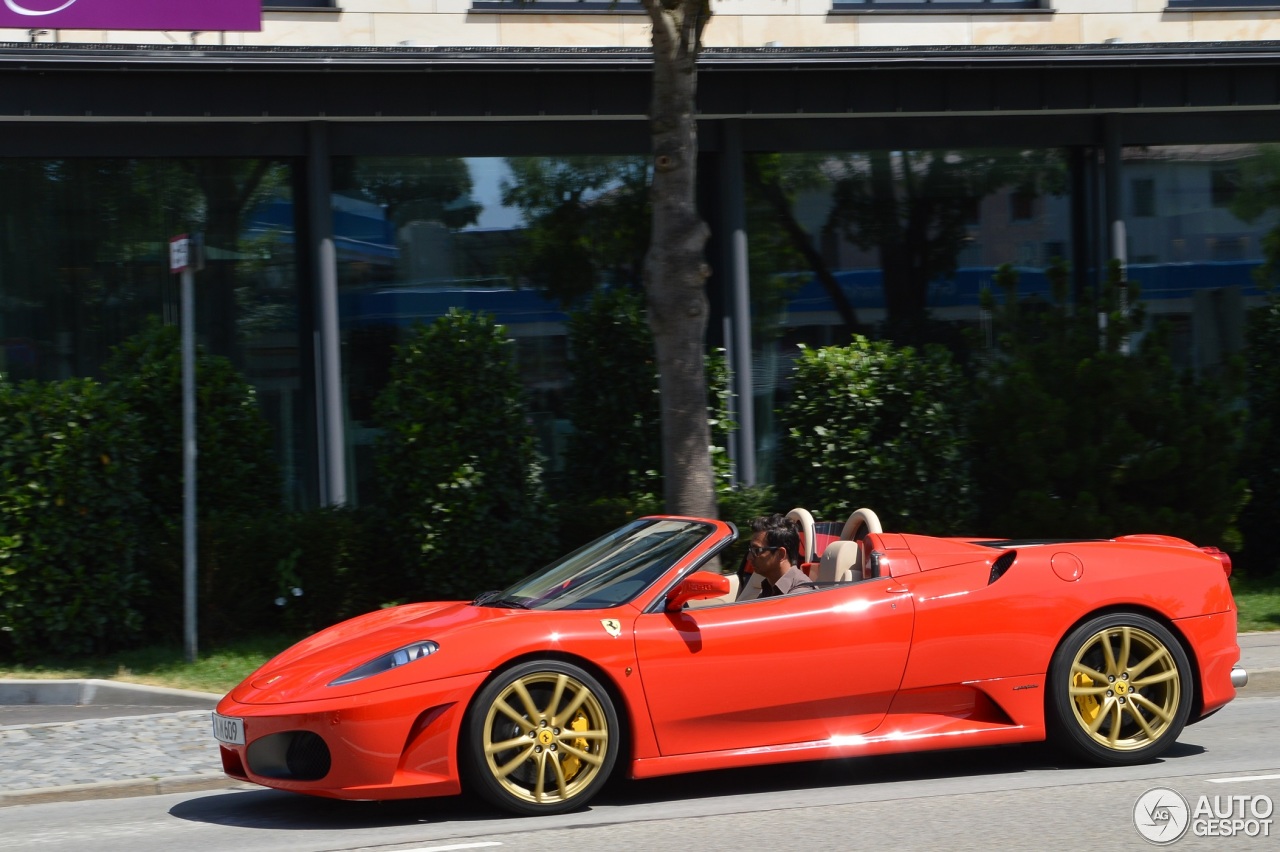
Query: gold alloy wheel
[
  {"x": 1125, "y": 688},
  {"x": 545, "y": 738}
]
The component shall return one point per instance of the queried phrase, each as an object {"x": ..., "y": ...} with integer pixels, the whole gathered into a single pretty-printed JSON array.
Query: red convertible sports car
[{"x": 630, "y": 655}]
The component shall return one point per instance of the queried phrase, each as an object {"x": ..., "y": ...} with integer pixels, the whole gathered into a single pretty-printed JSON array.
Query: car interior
[{"x": 844, "y": 560}]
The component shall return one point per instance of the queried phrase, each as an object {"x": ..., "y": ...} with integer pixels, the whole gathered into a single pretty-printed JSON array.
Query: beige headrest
[
  {"x": 839, "y": 561},
  {"x": 808, "y": 544}
]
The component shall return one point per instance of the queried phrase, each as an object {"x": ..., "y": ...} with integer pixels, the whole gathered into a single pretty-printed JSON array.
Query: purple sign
[{"x": 203, "y": 15}]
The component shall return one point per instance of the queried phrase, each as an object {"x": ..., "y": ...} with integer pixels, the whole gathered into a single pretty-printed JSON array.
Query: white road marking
[
  {"x": 453, "y": 846},
  {"x": 1244, "y": 778}
]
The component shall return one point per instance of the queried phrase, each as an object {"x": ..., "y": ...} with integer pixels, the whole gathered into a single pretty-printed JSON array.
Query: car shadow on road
[
  {"x": 886, "y": 769},
  {"x": 277, "y": 810}
]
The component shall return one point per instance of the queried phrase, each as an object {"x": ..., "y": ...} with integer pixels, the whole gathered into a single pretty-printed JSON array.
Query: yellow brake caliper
[
  {"x": 1088, "y": 705},
  {"x": 572, "y": 765}
]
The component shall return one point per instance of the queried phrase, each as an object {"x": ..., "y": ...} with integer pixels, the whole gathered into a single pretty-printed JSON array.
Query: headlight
[{"x": 387, "y": 662}]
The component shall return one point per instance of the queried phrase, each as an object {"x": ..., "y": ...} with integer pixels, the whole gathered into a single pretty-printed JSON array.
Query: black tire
[
  {"x": 1119, "y": 691},
  {"x": 540, "y": 738}
]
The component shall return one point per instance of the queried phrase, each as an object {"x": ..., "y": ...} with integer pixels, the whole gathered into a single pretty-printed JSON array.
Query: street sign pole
[{"x": 185, "y": 257}]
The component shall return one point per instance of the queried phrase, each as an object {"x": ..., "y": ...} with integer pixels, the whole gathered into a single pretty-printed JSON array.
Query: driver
[{"x": 775, "y": 541}]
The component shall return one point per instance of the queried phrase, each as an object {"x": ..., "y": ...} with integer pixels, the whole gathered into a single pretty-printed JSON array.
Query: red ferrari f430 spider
[{"x": 631, "y": 655}]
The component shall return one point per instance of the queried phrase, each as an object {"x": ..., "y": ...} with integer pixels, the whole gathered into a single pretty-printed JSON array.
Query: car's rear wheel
[
  {"x": 1120, "y": 689},
  {"x": 541, "y": 738}
]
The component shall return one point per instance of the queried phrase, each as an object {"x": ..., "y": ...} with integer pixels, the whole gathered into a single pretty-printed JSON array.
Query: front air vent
[
  {"x": 292, "y": 756},
  {"x": 1001, "y": 565}
]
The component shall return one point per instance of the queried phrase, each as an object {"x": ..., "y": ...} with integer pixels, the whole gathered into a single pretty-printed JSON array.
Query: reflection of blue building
[
  {"x": 958, "y": 296},
  {"x": 405, "y": 306}
]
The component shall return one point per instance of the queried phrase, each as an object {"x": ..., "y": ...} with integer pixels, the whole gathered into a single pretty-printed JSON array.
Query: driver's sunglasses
[{"x": 757, "y": 550}]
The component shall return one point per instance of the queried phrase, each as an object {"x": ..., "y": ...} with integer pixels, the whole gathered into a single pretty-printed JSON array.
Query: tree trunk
[
  {"x": 675, "y": 268},
  {"x": 903, "y": 249}
]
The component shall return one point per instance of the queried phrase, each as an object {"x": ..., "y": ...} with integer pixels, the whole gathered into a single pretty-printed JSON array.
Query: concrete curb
[
  {"x": 1261, "y": 682},
  {"x": 123, "y": 789},
  {"x": 88, "y": 692}
]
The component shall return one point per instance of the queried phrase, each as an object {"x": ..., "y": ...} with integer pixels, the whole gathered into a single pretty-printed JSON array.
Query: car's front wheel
[
  {"x": 1120, "y": 689},
  {"x": 541, "y": 738}
]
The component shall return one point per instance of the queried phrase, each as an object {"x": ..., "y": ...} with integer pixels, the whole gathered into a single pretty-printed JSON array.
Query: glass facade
[
  {"x": 1196, "y": 219},
  {"x": 897, "y": 244},
  {"x": 84, "y": 263},
  {"x": 892, "y": 243},
  {"x": 519, "y": 239}
]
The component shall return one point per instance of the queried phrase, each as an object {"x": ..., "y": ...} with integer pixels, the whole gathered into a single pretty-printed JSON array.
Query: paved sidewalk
[{"x": 73, "y": 740}]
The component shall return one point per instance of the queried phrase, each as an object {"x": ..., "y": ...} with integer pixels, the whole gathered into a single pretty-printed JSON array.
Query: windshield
[{"x": 609, "y": 571}]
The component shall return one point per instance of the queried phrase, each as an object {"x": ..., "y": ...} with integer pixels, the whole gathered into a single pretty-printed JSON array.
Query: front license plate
[{"x": 228, "y": 730}]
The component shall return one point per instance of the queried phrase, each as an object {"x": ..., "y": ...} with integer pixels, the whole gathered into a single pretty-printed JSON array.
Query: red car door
[{"x": 804, "y": 667}]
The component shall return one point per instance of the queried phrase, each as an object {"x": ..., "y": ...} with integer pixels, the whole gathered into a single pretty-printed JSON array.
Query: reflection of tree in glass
[
  {"x": 587, "y": 222},
  {"x": 774, "y": 182},
  {"x": 86, "y": 252},
  {"x": 228, "y": 191},
  {"x": 1259, "y": 193},
  {"x": 426, "y": 189},
  {"x": 913, "y": 209}
]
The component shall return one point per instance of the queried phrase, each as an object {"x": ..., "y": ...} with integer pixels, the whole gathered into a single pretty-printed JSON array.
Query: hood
[{"x": 304, "y": 671}]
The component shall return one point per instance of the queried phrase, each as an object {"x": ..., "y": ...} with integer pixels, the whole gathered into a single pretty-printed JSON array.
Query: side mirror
[{"x": 698, "y": 586}]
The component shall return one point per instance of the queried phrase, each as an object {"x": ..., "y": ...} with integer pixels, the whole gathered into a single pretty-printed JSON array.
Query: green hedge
[
  {"x": 458, "y": 470},
  {"x": 1083, "y": 434},
  {"x": 294, "y": 572},
  {"x": 237, "y": 479},
  {"x": 872, "y": 425},
  {"x": 70, "y": 504}
]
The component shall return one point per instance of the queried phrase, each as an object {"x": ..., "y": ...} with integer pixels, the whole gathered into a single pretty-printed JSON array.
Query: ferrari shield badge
[{"x": 612, "y": 626}]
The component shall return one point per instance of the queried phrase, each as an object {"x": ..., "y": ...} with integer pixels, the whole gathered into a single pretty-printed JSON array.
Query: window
[
  {"x": 1022, "y": 206},
  {"x": 1144, "y": 197},
  {"x": 299, "y": 4},
  {"x": 614, "y": 7},
  {"x": 936, "y": 6},
  {"x": 1224, "y": 4},
  {"x": 1223, "y": 186},
  {"x": 1231, "y": 247}
]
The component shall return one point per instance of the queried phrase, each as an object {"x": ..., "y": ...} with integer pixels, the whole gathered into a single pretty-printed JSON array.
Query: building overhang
[{"x": 1040, "y": 93}]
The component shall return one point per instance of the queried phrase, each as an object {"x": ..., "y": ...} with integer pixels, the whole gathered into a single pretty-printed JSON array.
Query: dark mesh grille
[{"x": 308, "y": 757}]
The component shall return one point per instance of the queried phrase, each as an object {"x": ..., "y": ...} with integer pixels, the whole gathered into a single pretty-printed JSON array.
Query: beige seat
[
  {"x": 751, "y": 588},
  {"x": 841, "y": 563}
]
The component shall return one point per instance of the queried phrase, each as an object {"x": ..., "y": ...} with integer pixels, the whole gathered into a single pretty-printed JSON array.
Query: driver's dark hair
[{"x": 780, "y": 531}]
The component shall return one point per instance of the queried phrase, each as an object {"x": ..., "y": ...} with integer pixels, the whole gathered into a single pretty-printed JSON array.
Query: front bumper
[{"x": 392, "y": 744}]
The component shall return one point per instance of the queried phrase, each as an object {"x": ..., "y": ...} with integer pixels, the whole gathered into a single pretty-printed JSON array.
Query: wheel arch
[{"x": 1197, "y": 695}]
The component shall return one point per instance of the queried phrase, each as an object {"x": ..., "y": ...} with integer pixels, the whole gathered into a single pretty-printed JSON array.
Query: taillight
[{"x": 1221, "y": 556}]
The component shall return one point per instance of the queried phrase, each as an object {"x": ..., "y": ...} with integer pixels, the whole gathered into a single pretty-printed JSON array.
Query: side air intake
[{"x": 1001, "y": 565}]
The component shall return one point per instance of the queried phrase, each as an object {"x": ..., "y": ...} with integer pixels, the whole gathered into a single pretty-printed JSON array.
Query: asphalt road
[{"x": 1013, "y": 798}]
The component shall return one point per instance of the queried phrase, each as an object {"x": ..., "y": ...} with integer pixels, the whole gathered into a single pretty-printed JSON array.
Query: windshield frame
[{"x": 618, "y": 567}]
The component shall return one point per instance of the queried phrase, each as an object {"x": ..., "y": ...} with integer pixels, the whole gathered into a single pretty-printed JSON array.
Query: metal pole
[
  {"x": 329, "y": 382},
  {"x": 189, "y": 463},
  {"x": 739, "y": 286}
]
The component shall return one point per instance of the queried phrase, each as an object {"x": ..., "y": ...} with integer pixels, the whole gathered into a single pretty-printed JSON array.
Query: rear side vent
[{"x": 1001, "y": 565}]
